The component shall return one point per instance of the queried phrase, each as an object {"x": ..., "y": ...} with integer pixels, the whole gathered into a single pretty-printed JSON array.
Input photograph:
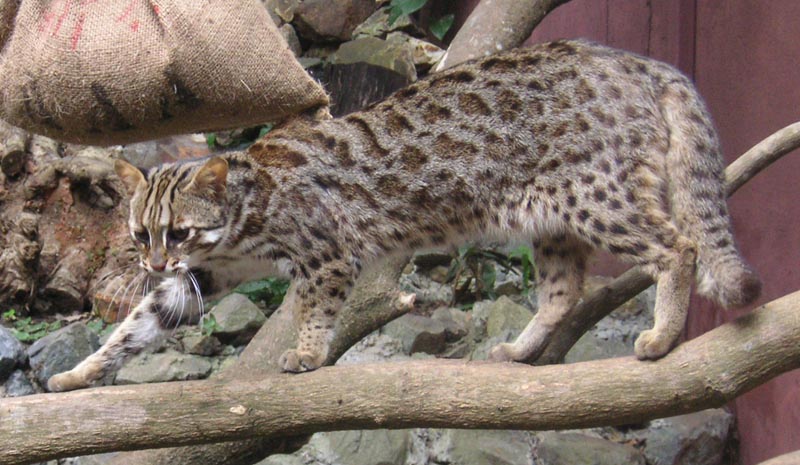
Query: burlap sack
[{"x": 118, "y": 71}]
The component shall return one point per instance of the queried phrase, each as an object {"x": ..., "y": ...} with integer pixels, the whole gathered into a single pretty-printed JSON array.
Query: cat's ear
[
  {"x": 130, "y": 175},
  {"x": 212, "y": 177}
]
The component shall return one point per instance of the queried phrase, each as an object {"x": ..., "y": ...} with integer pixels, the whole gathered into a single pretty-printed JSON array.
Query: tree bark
[
  {"x": 496, "y": 25},
  {"x": 792, "y": 458},
  {"x": 603, "y": 301},
  {"x": 705, "y": 372}
]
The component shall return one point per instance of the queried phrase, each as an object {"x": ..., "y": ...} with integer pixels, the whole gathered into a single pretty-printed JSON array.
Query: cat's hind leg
[
  {"x": 560, "y": 266},
  {"x": 315, "y": 302},
  {"x": 149, "y": 322}
]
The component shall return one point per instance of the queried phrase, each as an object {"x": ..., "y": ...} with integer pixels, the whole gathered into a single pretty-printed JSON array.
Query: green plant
[
  {"x": 209, "y": 325},
  {"x": 399, "y": 8},
  {"x": 236, "y": 139},
  {"x": 25, "y": 330},
  {"x": 270, "y": 291},
  {"x": 99, "y": 327},
  {"x": 474, "y": 265}
]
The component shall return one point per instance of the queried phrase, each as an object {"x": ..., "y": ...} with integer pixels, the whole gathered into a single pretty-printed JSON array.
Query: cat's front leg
[
  {"x": 160, "y": 311},
  {"x": 315, "y": 303}
]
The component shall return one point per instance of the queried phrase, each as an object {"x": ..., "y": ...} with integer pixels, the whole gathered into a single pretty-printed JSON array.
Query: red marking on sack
[
  {"x": 62, "y": 16},
  {"x": 47, "y": 18},
  {"x": 135, "y": 25},
  {"x": 156, "y": 9},
  {"x": 127, "y": 11},
  {"x": 76, "y": 32}
]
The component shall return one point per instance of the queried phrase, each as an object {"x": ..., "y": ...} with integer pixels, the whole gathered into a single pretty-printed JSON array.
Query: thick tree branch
[
  {"x": 603, "y": 301},
  {"x": 496, "y": 25},
  {"x": 705, "y": 372},
  {"x": 792, "y": 458}
]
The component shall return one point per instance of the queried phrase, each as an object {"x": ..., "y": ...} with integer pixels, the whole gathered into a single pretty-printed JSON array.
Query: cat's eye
[
  {"x": 142, "y": 236},
  {"x": 177, "y": 235}
]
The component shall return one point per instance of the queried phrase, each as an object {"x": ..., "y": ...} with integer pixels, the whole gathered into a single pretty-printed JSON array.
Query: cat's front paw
[
  {"x": 651, "y": 345},
  {"x": 67, "y": 381},
  {"x": 298, "y": 361},
  {"x": 504, "y": 352}
]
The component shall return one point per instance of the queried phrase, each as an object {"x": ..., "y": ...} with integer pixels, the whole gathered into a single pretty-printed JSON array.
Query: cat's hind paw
[
  {"x": 298, "y": 361},
  {"x": 651, "y": 345},
  {"x": 67, "y": 381}
]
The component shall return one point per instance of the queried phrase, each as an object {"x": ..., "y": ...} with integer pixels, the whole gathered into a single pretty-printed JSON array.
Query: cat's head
[{"x": 177, "y": 211}]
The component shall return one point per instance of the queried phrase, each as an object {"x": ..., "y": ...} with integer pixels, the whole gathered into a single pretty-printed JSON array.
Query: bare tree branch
[
  {"x": 603, "y": 301},
  {"x": 705, "y": 372},
  {"x": 496, "y": 25}
]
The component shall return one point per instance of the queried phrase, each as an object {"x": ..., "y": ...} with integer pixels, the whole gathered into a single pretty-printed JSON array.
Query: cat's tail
[{"x": 697, "y": 193}]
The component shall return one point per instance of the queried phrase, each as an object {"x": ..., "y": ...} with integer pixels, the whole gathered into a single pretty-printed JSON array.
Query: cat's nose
[{"x": 158, "y": 266}]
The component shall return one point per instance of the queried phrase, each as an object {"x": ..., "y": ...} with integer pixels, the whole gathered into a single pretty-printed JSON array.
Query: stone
[
  {"x": 456, "y": 322},
  {"x": 426, "y": 289},
  {"x": 197, "y": 343},
  {"x": 169, "y": 365},
  {"x": 378, "y": 52},
  {"x": 424, "y": 54},
  {"x": 61, "y": 350},
  {"x": 282, "y": 459},
  {"x": 592, "y": 347},
  {"x": 505, "y": 314},
  {"x": 238, "y": 319},
  {"x": 695, "y": 439},
  {"x": 18, "y": 385},
  {"x": 417, "y": 333},
  {"x": 331, "y": 20},
  {"x": 12, "y": 353},
  {"x": 377, "y": 25},
  {"x": 370, "y": 447},
  {"x": 373, "y": 348},
  {"x": 470, "y": 447},
  {"x": 98, "y": 459},
  {"x": 579, "y": 449}
]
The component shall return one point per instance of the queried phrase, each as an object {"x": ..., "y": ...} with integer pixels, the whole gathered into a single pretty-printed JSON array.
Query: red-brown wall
[{"x": 744, "y": 56}]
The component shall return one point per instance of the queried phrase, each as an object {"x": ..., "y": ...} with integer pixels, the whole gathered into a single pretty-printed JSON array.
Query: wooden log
[{"x": 705, "y": 372}]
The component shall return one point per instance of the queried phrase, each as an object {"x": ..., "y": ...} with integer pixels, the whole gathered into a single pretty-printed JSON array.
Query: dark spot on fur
[
  {"x": 473, "y": 104},
  {"x": 498, "y": 64}
]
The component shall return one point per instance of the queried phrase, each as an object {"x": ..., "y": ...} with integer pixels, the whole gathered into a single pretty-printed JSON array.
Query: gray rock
[
  {"x": 238, "y": 319},
  {"x": 169, "y": 365},
  {"x": 424, "y": 54},
  {"x": 377, "y": 25},
  {"x": 377, "y": 447},
  {"x": 579, "y": 449},
  {"x": 98, "y": 459},
  {"x": 592, "y": 347},
  {"x": 373, "y": 348},
  {"x": 456, "y": 322},
  {"x": 470, "y": 447},
  {"x": 18, "y": 385},
  {"x": 427, "y": 290},
  {"x": 61, "y": 351},
  {"x": 507, "y": 315},
  {"x": 392, "y": 56},
  {"x": 282, "y": 459},
  {"x": 12, "y": 353},
  {"x": 194, "y": 342},
  {"x": 694, "y": 439},
  {"x": 331, "y": 20},
  {"x": 418, "y": 333},
  {"x": 481, "y": 349}
]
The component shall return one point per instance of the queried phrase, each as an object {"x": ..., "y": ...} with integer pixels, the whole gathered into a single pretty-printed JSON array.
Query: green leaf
[
  {"x": 399, "y": 8},
  {"x": 270, "y": 290},
  {"x": 211, "y": 139},
  {"x": 9, "y": 315},
  {"x": 210, "y": 325},
  {"x": 264, "y": 130},
  {"x": 440, "y": 27}
]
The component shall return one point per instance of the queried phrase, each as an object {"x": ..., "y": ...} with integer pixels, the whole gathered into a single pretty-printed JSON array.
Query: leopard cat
[{"x": 568, "y": 145}]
